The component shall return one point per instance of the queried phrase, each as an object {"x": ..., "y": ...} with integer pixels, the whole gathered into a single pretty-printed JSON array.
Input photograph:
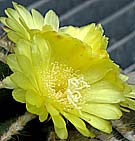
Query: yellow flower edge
[{"x": 64, "y": 72}]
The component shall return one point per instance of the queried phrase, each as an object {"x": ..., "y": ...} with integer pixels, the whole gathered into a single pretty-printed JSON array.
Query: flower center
[{"x": 65, "y": 85}]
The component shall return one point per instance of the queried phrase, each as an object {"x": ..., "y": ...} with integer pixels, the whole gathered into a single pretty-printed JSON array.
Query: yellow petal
[
  {"x": 22, "y": 81},
  {"x": 96, "y": 70},
  {"x": 90, "y": 34},
  {"x": 33, "y": 109},
  {"x": 23, "y": 47},
  {"x": 8, "y": 83},
  {"x": 15, "y": 36},
  {"x": 41, "y": 111},
  {"x": 34, "y": 98},
  {"x": 131, "y": 93},
  {"x": 12, "y": 62},
  {"x": 79, "y": 124},
  {"x": 61, "y": 132},
  {"x": 53, "y": 111},
  {"x": 105, "y": 111},
  {"x": 76, "y": 121},
  {"x": 40, "y": 53},
  {"x": 52, "y": 19},
  {"x": 110, "y": 81},
  {"x": 24, "y": 14},
  {"x": 43, "y": 115},
  {"x": 24, "y": 64},
  {"x": 85, "y": 132},
  {"x": 123, "y": 77},
  {"x": 104, "y": 96},
  {"x": 58, "y": 121},
  {"x": 129, "y": 103},
  {"x": 17, "y": 27},
  {"x": 67, "y": 50},
  {"x": 3, "y": 20},
  {"x": 97, "y": 122},
  {"x": 60, "y": 126},
  {"x": 37, "y": 19},
  {"x": 19, "y": 95},
  {"x": 11, "y": 13}
]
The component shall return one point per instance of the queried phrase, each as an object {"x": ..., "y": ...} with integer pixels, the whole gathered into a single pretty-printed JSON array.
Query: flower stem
[{"x": 17, "y": 126}]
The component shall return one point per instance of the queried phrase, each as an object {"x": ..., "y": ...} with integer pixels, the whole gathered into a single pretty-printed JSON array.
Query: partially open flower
[
  {"x": 23, "y": 24},
  {"x": 63, "y": 74}
]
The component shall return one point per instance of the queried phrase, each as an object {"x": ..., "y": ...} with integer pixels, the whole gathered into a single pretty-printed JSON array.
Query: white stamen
[{"x": 73, "y": 90}]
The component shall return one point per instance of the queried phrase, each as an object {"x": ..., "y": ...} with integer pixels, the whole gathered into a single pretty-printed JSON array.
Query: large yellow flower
[
  {"x": 64, "y": 73},
  {"x": 60, "y": 77}
]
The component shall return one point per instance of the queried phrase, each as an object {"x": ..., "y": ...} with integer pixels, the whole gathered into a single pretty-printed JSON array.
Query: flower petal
[
  {"x": 41, "y": 111},
  {"x": 3, "y": 20},
  {"x": 85, "y": 132},
  {"x": 96, "y": 70},
  {"x": 34, "y": 98},
  {"x": 52, "y": 19},
  {"x": 76, "y": 121},
  {"x": 40, "y": 53},
  {"x": 32, "y": 108},
  {"x": 12, "y": 62},
  {"x": 11, "y": 13},
  {"x": 28, "y": 69},
  {"x": 123, "y": 77},
  {"x": 23, "y": 47},
  {"x": 97, "y": 122},
  {"x": 15, "y": 36},
  {"x": 90, "y": 34},
  {"x": 17, "y": 27},
  {"x": 131, "y": 94},
  {"x": 58, "y": 121},
  {"x": 38, "y": 19},
  {"x": 61, "y": 132},
  {"x": 129, "y": 103},
  {"x": 60, "y": 126},
  {"x": 24, "y": 14},
  {"x": 104, "y": 96},
  {"x": 109, "y": 81},
  {"x": 19, "y": 95},
  {"x": 52, "y": 110},
  {"x": 43, "y": 114},
  {"x": 22, "y": 81},
  {"x": 8, "y": 83},
  {"x": 105, "y": 111},
  {"x": 67, "y": 50},
  {"x": 24, "y": 64},
  {"x": 79, "y": 124}
]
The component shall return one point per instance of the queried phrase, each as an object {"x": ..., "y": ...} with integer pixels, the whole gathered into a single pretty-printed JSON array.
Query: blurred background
[{"x": 118, "y": 20}]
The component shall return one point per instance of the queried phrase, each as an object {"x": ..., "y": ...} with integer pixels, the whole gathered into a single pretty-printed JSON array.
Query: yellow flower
[
  {"x": 21, "y": 25},
  {"x": 64, "y": 72},
  {"x": 56, "y": 74}
]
